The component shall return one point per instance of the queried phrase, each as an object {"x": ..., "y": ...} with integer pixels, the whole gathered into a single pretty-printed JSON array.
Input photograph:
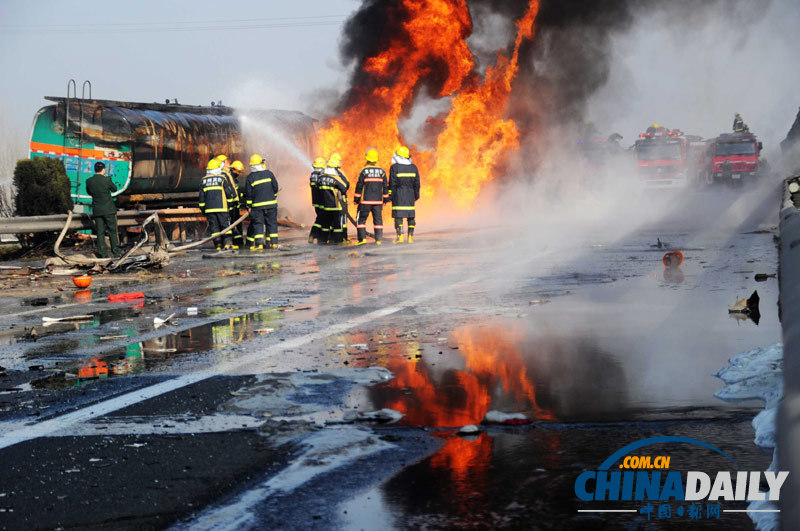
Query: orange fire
[
  {"x": 492, "y": 357},
  {"x": 476, "y": 138}
]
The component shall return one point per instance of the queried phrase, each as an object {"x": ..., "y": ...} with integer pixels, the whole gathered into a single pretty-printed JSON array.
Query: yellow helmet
[
  {"x": 237, "y": 165},
  {"x": 222, "y": 158},
  {"x": 256, "y": 159},
  {"x": 335, "y": 161},
  {"x": 319, "y": 162},
  {"x": 656, "y": 126},
  {"x": 214, "y": 164},
  {"x": 402, "y": 151},
  {"x": 372, "y": 155}
]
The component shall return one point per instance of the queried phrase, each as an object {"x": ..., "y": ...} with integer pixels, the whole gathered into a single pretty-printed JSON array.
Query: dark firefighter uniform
[
  {"x": 404, "y": 193},
  {"x": 331, "y": 188},
  {"x": 316, "y": 201},
  {"x": 234, "y": 203},
  {"x": 372, "y": 191},
  {"x": 738, "y": 124},
  {"x": 213, "y": 201},
  {"x": 343, "y": 199},
  {"x": 261, "y": 193}
]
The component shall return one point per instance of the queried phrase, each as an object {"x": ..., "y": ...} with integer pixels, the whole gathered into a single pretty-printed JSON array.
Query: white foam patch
[
  {"x": 325, "y": 451},
  {"x": 758, "y": 373}
]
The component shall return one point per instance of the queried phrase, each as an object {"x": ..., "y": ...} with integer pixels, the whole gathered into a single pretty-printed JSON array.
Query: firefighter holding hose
[
  {"x": 316, "y": 200},
  {"x": 261, "y": 193},
  {"x": 372, "y": 192},
  {"x": 213, "y": 201},
  {"x": 404, "y": 192},
  {"x": 332, "y": 190},
  {"x": 231, "y": 172}
]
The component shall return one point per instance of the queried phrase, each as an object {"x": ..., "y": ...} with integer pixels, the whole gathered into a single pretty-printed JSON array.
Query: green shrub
[{"x": 42, "y": 187}]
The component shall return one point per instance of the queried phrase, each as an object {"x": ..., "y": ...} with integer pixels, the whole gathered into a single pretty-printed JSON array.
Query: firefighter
[
  {"x": 404, "y": 192},
  {"x": 332, "y": 188},
  {"x": 372, "y": 192},
  {"x": 316, "y": 201},
  {"x": 213, "y": 201},
  {"x": 231, "y": 172},
  {"x": 261, "y": 193},
  {"x": 342, "y": 196},
  {"x": 738, "y": 123}
]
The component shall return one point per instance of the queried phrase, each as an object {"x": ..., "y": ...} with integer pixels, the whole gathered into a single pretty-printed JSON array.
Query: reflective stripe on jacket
[{"x": 261, "y": 190}]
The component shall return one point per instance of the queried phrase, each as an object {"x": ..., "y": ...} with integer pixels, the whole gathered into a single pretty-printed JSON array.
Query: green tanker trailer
[{"x": 157, "y": 153}]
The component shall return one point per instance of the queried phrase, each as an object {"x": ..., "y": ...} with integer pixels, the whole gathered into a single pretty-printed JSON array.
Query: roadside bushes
[{"x": 42, "y": 187}]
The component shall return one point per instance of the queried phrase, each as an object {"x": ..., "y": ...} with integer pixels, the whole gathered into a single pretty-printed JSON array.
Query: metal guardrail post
[{"x": 789, "y": 304}]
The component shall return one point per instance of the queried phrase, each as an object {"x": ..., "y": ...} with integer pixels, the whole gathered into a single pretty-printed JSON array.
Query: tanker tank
[{"x": 158, "y": 152}]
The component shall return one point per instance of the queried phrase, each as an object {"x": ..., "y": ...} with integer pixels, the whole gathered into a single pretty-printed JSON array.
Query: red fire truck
[
  {"x": 731, "y": 159},
  {"x": 668, "y": 158}
]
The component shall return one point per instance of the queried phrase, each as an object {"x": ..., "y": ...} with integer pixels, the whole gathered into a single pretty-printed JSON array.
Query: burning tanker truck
[{"x": 156, "y": 154}]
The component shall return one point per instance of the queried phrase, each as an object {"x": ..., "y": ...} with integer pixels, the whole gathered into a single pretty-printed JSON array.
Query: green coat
[{"x": 100, "y": 188}]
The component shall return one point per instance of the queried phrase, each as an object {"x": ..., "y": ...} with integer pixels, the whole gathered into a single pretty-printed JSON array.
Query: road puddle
[{"x": 149, "y": 354}]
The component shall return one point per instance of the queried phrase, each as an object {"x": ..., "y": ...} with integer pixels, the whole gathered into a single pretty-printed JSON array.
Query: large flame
[{"x": 475, "y": 140}]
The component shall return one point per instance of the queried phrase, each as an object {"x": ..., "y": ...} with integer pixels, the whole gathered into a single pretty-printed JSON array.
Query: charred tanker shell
[{"x": 156, "y": 148}]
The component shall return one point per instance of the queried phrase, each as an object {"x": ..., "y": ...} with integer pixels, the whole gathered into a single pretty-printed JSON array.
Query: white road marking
[{"x": 254, "y": 359}]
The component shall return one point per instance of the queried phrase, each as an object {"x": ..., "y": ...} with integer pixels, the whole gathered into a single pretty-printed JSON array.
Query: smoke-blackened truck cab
[
  {"x": 732, "y": 159},
  {"x": 666, "y": 159}
]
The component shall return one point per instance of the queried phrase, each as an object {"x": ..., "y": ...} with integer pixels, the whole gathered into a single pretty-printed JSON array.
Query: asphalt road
[{"x": 250, "y": 410}]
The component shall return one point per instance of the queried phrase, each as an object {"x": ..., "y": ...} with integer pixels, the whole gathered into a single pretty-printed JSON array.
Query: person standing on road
[
  {"x": 342, "y": 196},
  {"x": 316, "y": 200},
  {"x": 215, "y": 189},
  {"x": 404, "y": 192},
  {"x": 104, "y": 210},
  {"x": 234, "y": 211},
  {"x": 372, "y": 192},
  {"x": 332, "y": 188},
  {"x": 261, "y": 193}
]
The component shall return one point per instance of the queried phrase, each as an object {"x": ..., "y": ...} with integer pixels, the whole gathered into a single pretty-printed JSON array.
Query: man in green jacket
[{"x": 104, "y": 211}]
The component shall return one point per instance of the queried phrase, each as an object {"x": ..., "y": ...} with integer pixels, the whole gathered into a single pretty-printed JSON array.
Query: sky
[
  {"x": 278, "y": 54},
  {"x": 152, "y": 50}
]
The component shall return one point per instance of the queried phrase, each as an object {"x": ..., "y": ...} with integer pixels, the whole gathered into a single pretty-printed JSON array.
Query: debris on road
[
  {"x": 469, "y": 429},
  {"x": 508, "y": 419},
  {"x": 82, "y": 281},
  {"x": 70, "y": 318},
  {"x": 536, "y": 301},
  {"x": 672, "y": 259},
  {"x": 762, "y": 277},
  {"x": 125, "y": 297},
  {"x": 747, "y": 307},
  {"x": 158, "y": 322},
  {"x": 384, "y": 416},
  {"x": 192, "y": 310}
]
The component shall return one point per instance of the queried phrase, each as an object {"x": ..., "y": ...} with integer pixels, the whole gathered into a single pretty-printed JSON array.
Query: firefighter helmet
[
  {"x": 402, "y": 151},
  {"x": 214, "y": 164},
  {"x": 256, "y": 159},
  {"x": 237, "y": 165},
  {"x": 335, "y": 161},
  {"x": 319, "y": 162},
  {"x": 372, "y": 155},
  {"x": 222, "y": 158}
]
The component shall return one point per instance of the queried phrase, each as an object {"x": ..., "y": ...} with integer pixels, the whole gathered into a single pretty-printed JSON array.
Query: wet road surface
[{"x": 250, "y": 412}]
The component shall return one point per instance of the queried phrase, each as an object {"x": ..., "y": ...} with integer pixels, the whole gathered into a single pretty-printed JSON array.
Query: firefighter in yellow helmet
[
  {"x": 332, "y": 190},
  {"x": 404, "y": 192},
  {"x": 213, "y": 201},
  {"x": 231, "y": 172},
  {"x": 343, "y": 197},
  {"x": 372, "y": 191},
  {"x": 318, "y": 167},
  {"x": 261, "y": 193}
]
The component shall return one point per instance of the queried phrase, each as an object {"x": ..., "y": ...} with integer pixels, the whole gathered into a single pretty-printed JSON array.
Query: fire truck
[
  {"x": 668, "y": 158},
  {"x": 731, "y": 158}
]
